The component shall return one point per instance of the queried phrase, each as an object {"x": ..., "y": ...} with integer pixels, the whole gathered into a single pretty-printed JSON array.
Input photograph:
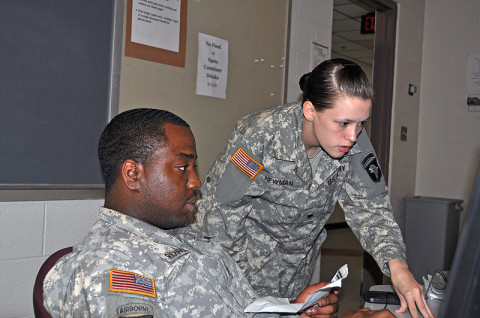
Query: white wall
[
  {"x": 449, "y": 135},
  {"x": 311, "y": 21},
  {"x": 30, "y": 232},
  {"x": 408, "y": 61}
]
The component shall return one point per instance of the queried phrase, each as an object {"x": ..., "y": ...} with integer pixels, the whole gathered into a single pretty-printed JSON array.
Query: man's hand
[
  {"x": 368, "y": 313},
  {"x": 408, "y": 290},
  {"x": 327, "y": 306}
]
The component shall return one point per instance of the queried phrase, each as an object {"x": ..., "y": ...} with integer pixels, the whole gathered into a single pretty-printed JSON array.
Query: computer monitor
[{"x": 462, "y": 298}]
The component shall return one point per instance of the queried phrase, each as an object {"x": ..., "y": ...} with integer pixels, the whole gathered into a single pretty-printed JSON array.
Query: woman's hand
[{"x": 408, "y": 290}]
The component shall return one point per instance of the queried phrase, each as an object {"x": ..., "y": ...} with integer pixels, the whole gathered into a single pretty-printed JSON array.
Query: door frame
[{"x": 381, "y": 116}]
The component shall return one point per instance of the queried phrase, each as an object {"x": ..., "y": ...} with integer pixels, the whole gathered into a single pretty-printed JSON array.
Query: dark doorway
[
  {"x": 375, "y": 52},
  {"x": 383, "y": 75}
]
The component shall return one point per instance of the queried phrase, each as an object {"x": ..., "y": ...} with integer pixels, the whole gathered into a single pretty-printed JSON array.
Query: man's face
[
  {"x": 336, "y": 129},
  {"x": 170, "y": 183}
]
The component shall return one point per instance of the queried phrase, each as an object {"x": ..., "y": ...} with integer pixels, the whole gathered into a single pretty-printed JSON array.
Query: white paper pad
[{"x": 283, "y": 305}]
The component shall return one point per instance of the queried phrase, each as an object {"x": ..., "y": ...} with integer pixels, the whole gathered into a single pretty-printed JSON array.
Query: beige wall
[{"x": 256, "y": 35}]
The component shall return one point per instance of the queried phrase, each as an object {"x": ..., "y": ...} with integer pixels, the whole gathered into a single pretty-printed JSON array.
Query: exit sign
[{"x": 368, "y": 23}]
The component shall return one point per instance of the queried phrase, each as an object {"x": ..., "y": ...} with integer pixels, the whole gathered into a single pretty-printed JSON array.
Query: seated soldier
[{"x": 138, "y": 259}]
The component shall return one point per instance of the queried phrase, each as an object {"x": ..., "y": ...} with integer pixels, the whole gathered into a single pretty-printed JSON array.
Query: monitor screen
[{"x": 462, "y": 297}]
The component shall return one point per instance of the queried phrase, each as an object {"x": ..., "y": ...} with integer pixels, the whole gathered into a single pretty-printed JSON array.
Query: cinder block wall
[
  {"x": 449, "y": 135},
  {"x": 30, "y": 232}
]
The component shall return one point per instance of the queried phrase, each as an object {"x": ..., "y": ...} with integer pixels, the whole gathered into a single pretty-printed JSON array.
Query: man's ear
[
  {"x": 308, "y": 110},
  {"x": 132, "y": 171}
]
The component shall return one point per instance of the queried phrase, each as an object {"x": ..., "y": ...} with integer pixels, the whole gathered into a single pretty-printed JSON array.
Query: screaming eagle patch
[{"x": 369, "y": 162}]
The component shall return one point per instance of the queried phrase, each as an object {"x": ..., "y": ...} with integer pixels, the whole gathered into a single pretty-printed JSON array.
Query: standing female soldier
[{"x": 269, "y": 194}]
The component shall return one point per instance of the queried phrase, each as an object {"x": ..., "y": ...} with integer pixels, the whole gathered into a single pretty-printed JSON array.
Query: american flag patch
[
  {"x": 245, "y": 163},
  {"x": 127, "y": 282}
]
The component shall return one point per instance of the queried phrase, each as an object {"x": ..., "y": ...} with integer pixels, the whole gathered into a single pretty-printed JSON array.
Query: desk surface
[{"x": 432, "y": 303}]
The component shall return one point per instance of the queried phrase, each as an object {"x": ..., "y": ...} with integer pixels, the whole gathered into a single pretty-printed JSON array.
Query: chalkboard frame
[{"x": 68, "y": 174}]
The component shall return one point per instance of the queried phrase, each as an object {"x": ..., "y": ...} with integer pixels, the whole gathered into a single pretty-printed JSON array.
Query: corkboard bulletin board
[{"x": 154, "y": 54}]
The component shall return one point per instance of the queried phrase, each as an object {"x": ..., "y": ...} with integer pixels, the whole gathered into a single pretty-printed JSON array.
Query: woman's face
[{"x": 336, "y": 129}]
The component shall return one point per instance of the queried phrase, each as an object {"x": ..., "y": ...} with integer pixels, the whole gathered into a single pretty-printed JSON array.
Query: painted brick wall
[{"x": 30, "y": 232}]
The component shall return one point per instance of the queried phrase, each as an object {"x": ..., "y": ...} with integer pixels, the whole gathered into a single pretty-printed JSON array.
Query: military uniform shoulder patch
[
  {"x": 369, "y": 162},
  {"x": 245, "y": 163},
  {"x": 135, "y": 310},
  {"x": 128, "y": 282}
]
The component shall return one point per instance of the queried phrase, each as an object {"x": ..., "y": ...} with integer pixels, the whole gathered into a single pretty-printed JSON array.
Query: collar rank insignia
[
  {"x": 128, "y": 282},
  {"x": 369, "y": 162},
  {"x": 245, "y": 163},
  {"x": 172, "y": 255}
]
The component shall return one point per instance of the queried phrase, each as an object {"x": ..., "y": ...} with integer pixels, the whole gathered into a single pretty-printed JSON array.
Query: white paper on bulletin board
[
  {"x": 156, "y": 23},
  {"x": 212, "y": 66},
  {"x": 473, "y": 72},
  {"x": 318, "y": 55}
]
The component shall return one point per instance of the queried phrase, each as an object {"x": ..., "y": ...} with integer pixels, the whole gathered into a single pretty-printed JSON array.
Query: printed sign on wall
[{"x": 212, "y": 66}]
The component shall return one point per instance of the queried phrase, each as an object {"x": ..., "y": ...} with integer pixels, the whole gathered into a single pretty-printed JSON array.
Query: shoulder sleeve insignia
[
  {"x": 128, "y": 282},
  {"x": 369, "y": 162},
  {"x": 245, "y": 163},
  {"x": 135, "y": 310}
]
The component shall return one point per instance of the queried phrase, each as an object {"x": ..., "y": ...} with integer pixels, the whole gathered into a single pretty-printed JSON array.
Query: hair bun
[{"x": 304, "y": 81}]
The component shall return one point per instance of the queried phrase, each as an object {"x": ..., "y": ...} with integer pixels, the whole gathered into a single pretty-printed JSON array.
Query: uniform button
[
  {"x": 310, "y": 216},
  {"x": 208, "y": 179}
]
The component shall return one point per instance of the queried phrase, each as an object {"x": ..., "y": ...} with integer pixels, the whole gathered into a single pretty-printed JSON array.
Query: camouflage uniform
[
  {"x": 262, "y": 202},
  {"x": 173, "y": 274}
]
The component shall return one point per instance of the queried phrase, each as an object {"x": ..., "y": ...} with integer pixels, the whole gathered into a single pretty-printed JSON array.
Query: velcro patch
[
  {"x": 245, "y": 163},
  {"x": 135, "y": 310},
  {"x": 128, "y": 282},
  {"x": 369, "y": 162},
  {"x": 174, "y": 254}
]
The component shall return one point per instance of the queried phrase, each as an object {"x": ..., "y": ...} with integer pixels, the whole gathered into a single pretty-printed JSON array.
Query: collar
[
  {"x": 139, "y": 228},
  {"x": 291, "y": 133}
]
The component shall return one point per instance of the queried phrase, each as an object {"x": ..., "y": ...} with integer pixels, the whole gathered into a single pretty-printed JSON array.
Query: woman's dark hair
[
  {"x": 333, "y": 79},
  {"x": 135, "y": 134}
]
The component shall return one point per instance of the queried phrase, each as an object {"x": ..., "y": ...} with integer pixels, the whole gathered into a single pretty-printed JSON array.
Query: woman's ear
[
  {"x": 308, "y": 110},
  {"x": 131, "y": 173}
]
